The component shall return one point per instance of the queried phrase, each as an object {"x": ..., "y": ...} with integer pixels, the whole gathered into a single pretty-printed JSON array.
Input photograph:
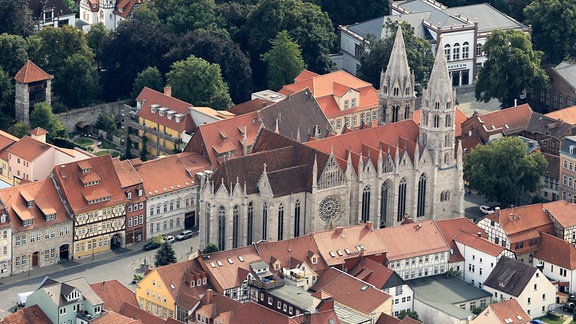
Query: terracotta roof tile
[
  {"x": 519, "y": 219},
  {"x": 556, "y": 251},
  {"x": 169, "y": 106},
  {"x": 7, "y": 139},
  {"x": 114, "y": 294},
  {"x": 38, "y": 131},
  {"x": 176, "y": 275},
  {"x": 29, "y": 149},
  {"x": 298, "y": 248},
  {"x": 113, "y": 317},
  {"x": 509, "y": 310},
  {"x": 563, "y": 211},
  {"x": 135, "y": 312},
  {"x": 410, "y": 240},
  {"x": 478, "y": 243},
  {"x": 450, "y": 227},
  {"x": 251, "y": 312},
  {"x": 30, "y": 72},
  {"x": 249, "y": 106},
  {"x": 376, "y": 274},
  {"x": 509, "y": 121},
  {"x": 27, "y": 315},
  {"x": 124, "y": 7},
  {"x": 567, "y": 115},
  {"x": 226, "y": 275},
  {"x": 126, "y": 173}
]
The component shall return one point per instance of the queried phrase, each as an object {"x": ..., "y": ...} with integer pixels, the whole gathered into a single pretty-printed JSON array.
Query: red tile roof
[
  {"x": 28, "y": 148},
  {"x": 478, "y": 243},
  {"x": 296, "y": 248},
  {"x": 38, "y": 131},
  {"x": 177, "y": 277},
  {"x": 126, "y": 173},
  {"x": 226, "y": 275},
  {"x": 350, "y": 291},
  {"x": 46, "y": 201},
  {"x": 27, "y": 315},
  {"x": 450, "y": 227},
  {"x": 135, "y": 312},
  {"x": 415, "y": 239},
  {"x": 255, "y": 313},
  {"x": 556, "y": 251},
  {"x": 153, "y": 97},
  {"x": 373, "y": 273},
  {"x": 563, "y": 211},
  {"x": 507, "y": 121},
  {"x": 250, "y": 106},
  {"x": 387, "y": 319},
  {"x": 509, "y": 310},
  {"x": 124, "y": 7},
  {"x": 113, "y": 317},
  {"x": 114, "y": 294},
  {"x": 567, "y": 115},
  {"x": 30, "y": 72},
  {"x": 516, "y": 220}
]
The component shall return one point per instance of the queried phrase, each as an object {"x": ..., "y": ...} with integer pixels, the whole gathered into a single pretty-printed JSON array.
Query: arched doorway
[
  {"x": 35, "y": 259},
  {"x": 116, "y": 242},
  {"x": 64, "y": 252}
]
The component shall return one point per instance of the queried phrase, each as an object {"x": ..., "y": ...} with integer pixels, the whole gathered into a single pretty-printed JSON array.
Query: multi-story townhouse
[
  {"x": 133, "y": 187},
  {"x": 108, "y": 12},
  {"x": 567, "y": 185},
  {"x": 171, "y": 189},
  {"x": 41, "y": 228},
  {"x": 6, "y": 140},
  {"x": 53, "y": 13},
  {"x": 527, "y": 284},
  {"x": 94, "y": 197},
  {"x": 562, "y": 90},
  {"x": 556, "y": 258},
  {"x": 5, "y": 246},
  {"x": 561, "y": 212},
  {"x": 504, "y": 312}
]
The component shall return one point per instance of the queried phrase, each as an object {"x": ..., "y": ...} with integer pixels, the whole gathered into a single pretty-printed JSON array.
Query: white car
[
  {"x": 486, "y": 210},
  {"x": 169, "y": 239}
]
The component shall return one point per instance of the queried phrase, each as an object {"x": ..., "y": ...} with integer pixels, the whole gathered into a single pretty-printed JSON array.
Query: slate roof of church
[
  {"x": 510, "y": 276},
  {"x": 30, "y": 72}
]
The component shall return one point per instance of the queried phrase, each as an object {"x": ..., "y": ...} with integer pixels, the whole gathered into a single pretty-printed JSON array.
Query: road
[{"x": 119, "y": 264}]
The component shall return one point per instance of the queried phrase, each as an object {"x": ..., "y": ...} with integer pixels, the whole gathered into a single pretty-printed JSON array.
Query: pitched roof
[
  {"x": 215, "y": 304},
  {"x": 135, "y": 312},
  {"x": 56, "y": 291},
  {"x": 508, "y": 121},
  {"x": 114, "y": 294},
  {"x": 567, "y": 115},
  {"x": 410, "y": 240},
  {"x": 38, "y": 131},
  {"x": 510, "y": 276},
  {"x": 228, "y": 269},
  {"x": 478, "y": 243},
  {"x": 249, "y": 106},
  {"x": 126, "y": 173},
  {"x": 509, "y": 312},
  {"x": 388, "y": 319},
  {"x": 27, "y": 315},
  {"x": 556, "y": 251},
  {"x": 166, "y": 110},
  {"x": 450, "y": 227},
  {"x": 7, "y": 139},
  {"x": 176, "y": 276},
  {"x": 124, "y": 7},
  {"x": 350, "y": 291},
  {"x": 376, "y": 274},
  {"x": 45, "y": 202},
  {"x": 545, "y": 125},
  {"x": 295, "y": 248},
  {"x": 344, "y": 243},
  {"x": 113, "y": 317},
  {"x": 487, "y": 17},
  {"x": 30, "y": 72},
  {"x": 562, "y": 211},
  {"x": 251, "y": 312},
  {"x": 520, "y": 219}
]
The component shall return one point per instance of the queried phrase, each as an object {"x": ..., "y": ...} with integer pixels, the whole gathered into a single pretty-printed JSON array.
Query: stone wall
[{"x": 90, "y": 114}]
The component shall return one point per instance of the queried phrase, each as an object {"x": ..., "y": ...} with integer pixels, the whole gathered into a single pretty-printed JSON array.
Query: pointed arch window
[
  {"x": 264, "y": 221},
  {"x": 436, "y": 121},
  {"x": 208, "y": 225},
  {"x": 401, "y": 200},
  {"x": 250, "y": 223},
  {"x": 366, "y": 204},
  {"x": 235, "y": 223},
  {"x": 297, "y": 219},
  {"x": 437, "y": 105},
  {"x": 383, "y": 204},
  {"x": 396, "y": 91},
  {"x": 221, "y": 228},
  {"x": 395, "y": 112},
  {"x": 281, "y": 222},
  {"x": 406, "y": 112},
  {"x": 421, "y": 196},
  {"x": 425, "y": 119},
  {"x": 447, "y": 51}
]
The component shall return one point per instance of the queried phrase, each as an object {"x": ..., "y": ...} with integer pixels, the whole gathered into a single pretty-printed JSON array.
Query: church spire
[
  {"x": 440, "y": 84},
  {"x": 398, "y": 70}
]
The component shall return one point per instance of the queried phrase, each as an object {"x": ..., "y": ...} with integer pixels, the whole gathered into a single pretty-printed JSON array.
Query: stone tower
[
  {"x": 438, "y": 113},
  {"x": 33, "y": 85},
  {"x": 397, "y": 97}
]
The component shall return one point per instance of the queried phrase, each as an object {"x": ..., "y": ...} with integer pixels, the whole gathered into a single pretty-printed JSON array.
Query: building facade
[{"x": 567, "y": 184}]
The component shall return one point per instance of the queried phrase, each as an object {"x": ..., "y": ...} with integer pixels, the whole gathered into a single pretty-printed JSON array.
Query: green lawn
[
  {"x": 84, "y": 141},
  {"x": 107, "y": 145},
  {"x": 548, "y": 319},
  {"x": 113, "y": 153}
]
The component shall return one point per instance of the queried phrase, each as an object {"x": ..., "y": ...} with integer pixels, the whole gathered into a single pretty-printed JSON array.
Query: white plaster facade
[
  {"x": 495, "y": 232},
  {"x": 420, "y": 266},
  {"x": 166, "y": 211},
  {"x": 5, "y": 247},
  {"x": 557, "y": 273},
  {"x": 479, "y": 264},
  {"x": 403, "y": 298}
]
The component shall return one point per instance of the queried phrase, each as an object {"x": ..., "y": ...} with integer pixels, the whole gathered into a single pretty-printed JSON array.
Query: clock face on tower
[{"x": 329, "y": 208}]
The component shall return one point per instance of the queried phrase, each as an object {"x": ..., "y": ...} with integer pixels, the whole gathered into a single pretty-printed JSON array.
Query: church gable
[
  {"x": 388, "y": 164},
  {"x": 264, "y": 185},
  {"x": 332, "y": 175}
]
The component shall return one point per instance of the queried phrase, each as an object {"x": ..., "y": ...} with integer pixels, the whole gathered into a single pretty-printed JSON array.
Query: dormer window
[
  {"x": 354, "y": 102},
  {"x": 50, "y": 217},
  {"x": 154, "y": 108},
  {"x": 140, "y": 192},
  {"x": 314, "y": 260},
  {"x": 3, "y": 218},
  {"x": 129, "y": 195},
  {"x": 346, "y": 104},
  {"x": 27, "y": 222},
  {"x": 30, "y": 204}
]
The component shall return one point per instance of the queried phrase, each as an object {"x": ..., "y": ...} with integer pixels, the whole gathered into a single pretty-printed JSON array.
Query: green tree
[
  {"x": 553, "y": 27},
  {"x": 418, "y": 52},
  {"x": 107, "y": 124},
  {"x": 6, "y": 98},
  {"x": 346, "y": 12},
  {"x": 58, "y": 44},
  {"x": 511, "y": 67},
  {"x": 42, "y": 116},
  {"x": 15, "y": 18},
  {"x": 165, "y": 255},
  {"x": 95, "y": 38},
  {"x": 151, "y": 78},
  {"x": 210, "y": 248},
  {"x": 200, "y": 83},
  {"x": 284, "y": 61},
  {"x": 409, "y": 313},
  {"x": 13, "y": 51},
  {"x": 76, "y": 83},
  {"x": 182, "y": 16},
  {"x": 503, "y": 169},
  {"x": 20, "y": 129}
]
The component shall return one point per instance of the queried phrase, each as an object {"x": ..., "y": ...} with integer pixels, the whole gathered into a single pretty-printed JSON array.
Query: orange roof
[
  {"x": 459, "y": 116},
  {"x": 114, "y": 294},
  {"x": 28, "y": 148},
  {"x": 567, "y": 115},
  {"x": 509, "y": 310},
  {"x": 450, "y": 227},
  {"x": 415, "y": 239},
  {"x": 30, "y": 72},
  {"x": 556, "y": 251},
  {"x": 373, "y": 273},
  {"x": 28, "y": 315},
  {"x": 45, "y": 200},
  {"x": 506, "y": 120},
  {"x": 519, "y": 219},
  {"x": 69, "y": 175},
  {"x": 344, "y": 243},
  {"x": 124, "y": 8},
  {"x": 252, "y": 312},
  {"x": 563, "y": 211},
  {"x": 350, "y": 291},
  {"x": 296, "y": 248},
  {"x": 113, "y": 317},
  {"x": 226, "y": 274},
  {"x": 38, "y": 131},
  {"x": 478, "y": 243},
  {"x": 174, "y": 111},
  {"x": 176, "y": 276},
  {"x": 7, "y": 139},
  {"x": 126, "y": 173},
  {"x": 135, "y": 312}
]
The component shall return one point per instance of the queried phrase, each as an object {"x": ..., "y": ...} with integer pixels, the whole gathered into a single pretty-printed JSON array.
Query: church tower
[
  {"x": 438, "y": 113},
  {"x": 397, "y": 97}
]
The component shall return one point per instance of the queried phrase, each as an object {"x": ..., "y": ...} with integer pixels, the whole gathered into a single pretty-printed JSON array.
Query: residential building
[
  {"x": 171, "y": 189},
  {"x": 388, "y": 281},
  {"x": 95, "y": 200},
  {"x": 6, "y": 246},
  {"x": 174, "y": 290},
  {"x": 71, "y": 301},
  {"x": 561, "y": 213},
  {"x": 52, "y": 13},
  {"x": 514, "y": 279},
  {"x": 355, "y": 294},
  {"x": 213, "y": 308},
  {"x": 504, "y": 312},
  {"x": 446, "y": 299},
  {"x": 567, "y": 177},
  {"x": 415, "y": 250},
  {"x": 253, "y": 313},
  {"x": 551, "y": 178},
  {"x": 133, "y": 187},
  {"x": 562, "y": 90},
  {"x": 42, "y": 230},
  {"x": 347, "y": 101},
  {"x": 27, "y": 315},
  {"x": 108, "y": 12},
  {"x": 6, "y": 140},
  {"x": 32, "y": 159},
  {"x": 114, "y": 294},
  {"x": 463, "y": 30},
  {"x": 518, "y": 229},
  {"x": 556, "y": 258}
]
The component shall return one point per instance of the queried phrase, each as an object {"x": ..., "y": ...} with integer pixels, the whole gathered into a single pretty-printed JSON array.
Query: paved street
[{"x": 118, "y": 264}]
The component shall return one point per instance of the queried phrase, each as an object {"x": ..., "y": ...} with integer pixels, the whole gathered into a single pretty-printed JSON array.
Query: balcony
[{"x": 270, "y": 284}]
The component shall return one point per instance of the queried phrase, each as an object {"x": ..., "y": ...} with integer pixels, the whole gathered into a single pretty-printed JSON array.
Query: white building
[
  {"x": 557, "y": 260},
  {"x": 108, "y": 12}
]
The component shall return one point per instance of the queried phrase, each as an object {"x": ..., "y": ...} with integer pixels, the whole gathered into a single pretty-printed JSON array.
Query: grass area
[
  {"x": 104, "y": 152},
  {"x": 84, "y": 141},
  {"x": 107, "y": 145},
  {"x": 550, "y": 320}
]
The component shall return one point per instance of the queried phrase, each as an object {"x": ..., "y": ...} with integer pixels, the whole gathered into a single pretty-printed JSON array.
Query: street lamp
[{"x": 93, "y": 246}]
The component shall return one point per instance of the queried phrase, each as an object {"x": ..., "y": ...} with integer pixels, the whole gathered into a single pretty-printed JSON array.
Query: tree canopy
[
  {"x": 199, "y": 82},
  {"x": 210, "y": 248},
  {"x": 511, "y": 68},
  {"x": 15, "y": 18},
  {"x": 6, "y": 99},
  {"x": 503, "y": 169},
  {"x": 182, "y": 16},
  {"x": 346, "y": 12},
  {"x": 553, "y": 27},
  {"x": 418, "y": 52},
  {"x": 165, "y": 255},
  {"x": 284, "y": 61},
  {"x": 95, "y": 39},
  {"x": 42, "y": 116},
  {"x": 13, "y": 51},
  {"x": 151, "y": 78}
]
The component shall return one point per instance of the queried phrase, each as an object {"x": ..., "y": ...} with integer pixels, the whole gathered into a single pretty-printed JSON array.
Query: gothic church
[{"x": 378, "y": 174}]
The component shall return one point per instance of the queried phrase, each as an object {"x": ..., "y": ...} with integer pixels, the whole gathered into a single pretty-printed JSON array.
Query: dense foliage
[
  {"x": 165, "y": 255},
  {"x": 284, "y": 61}
]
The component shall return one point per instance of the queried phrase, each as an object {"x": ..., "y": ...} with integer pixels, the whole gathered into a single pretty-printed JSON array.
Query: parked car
[
  {"x": 486, "y": 210},
  {"x": 168, "y": 239},
  {"x": 151, "y": 245},
  {"x": 184, "y": 235},
  {"x": 569, "y": 307}
]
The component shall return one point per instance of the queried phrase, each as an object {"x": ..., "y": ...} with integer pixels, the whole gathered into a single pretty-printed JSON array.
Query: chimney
[
  {"x": 369, "y": 225},
  {"x": 208, "y": 296},
  {"x": 339, "y": 229},
  {"x": 307, "y": 317},
  {"x": 168, "y": 91},
  {"x": 479, "y": 234}
]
